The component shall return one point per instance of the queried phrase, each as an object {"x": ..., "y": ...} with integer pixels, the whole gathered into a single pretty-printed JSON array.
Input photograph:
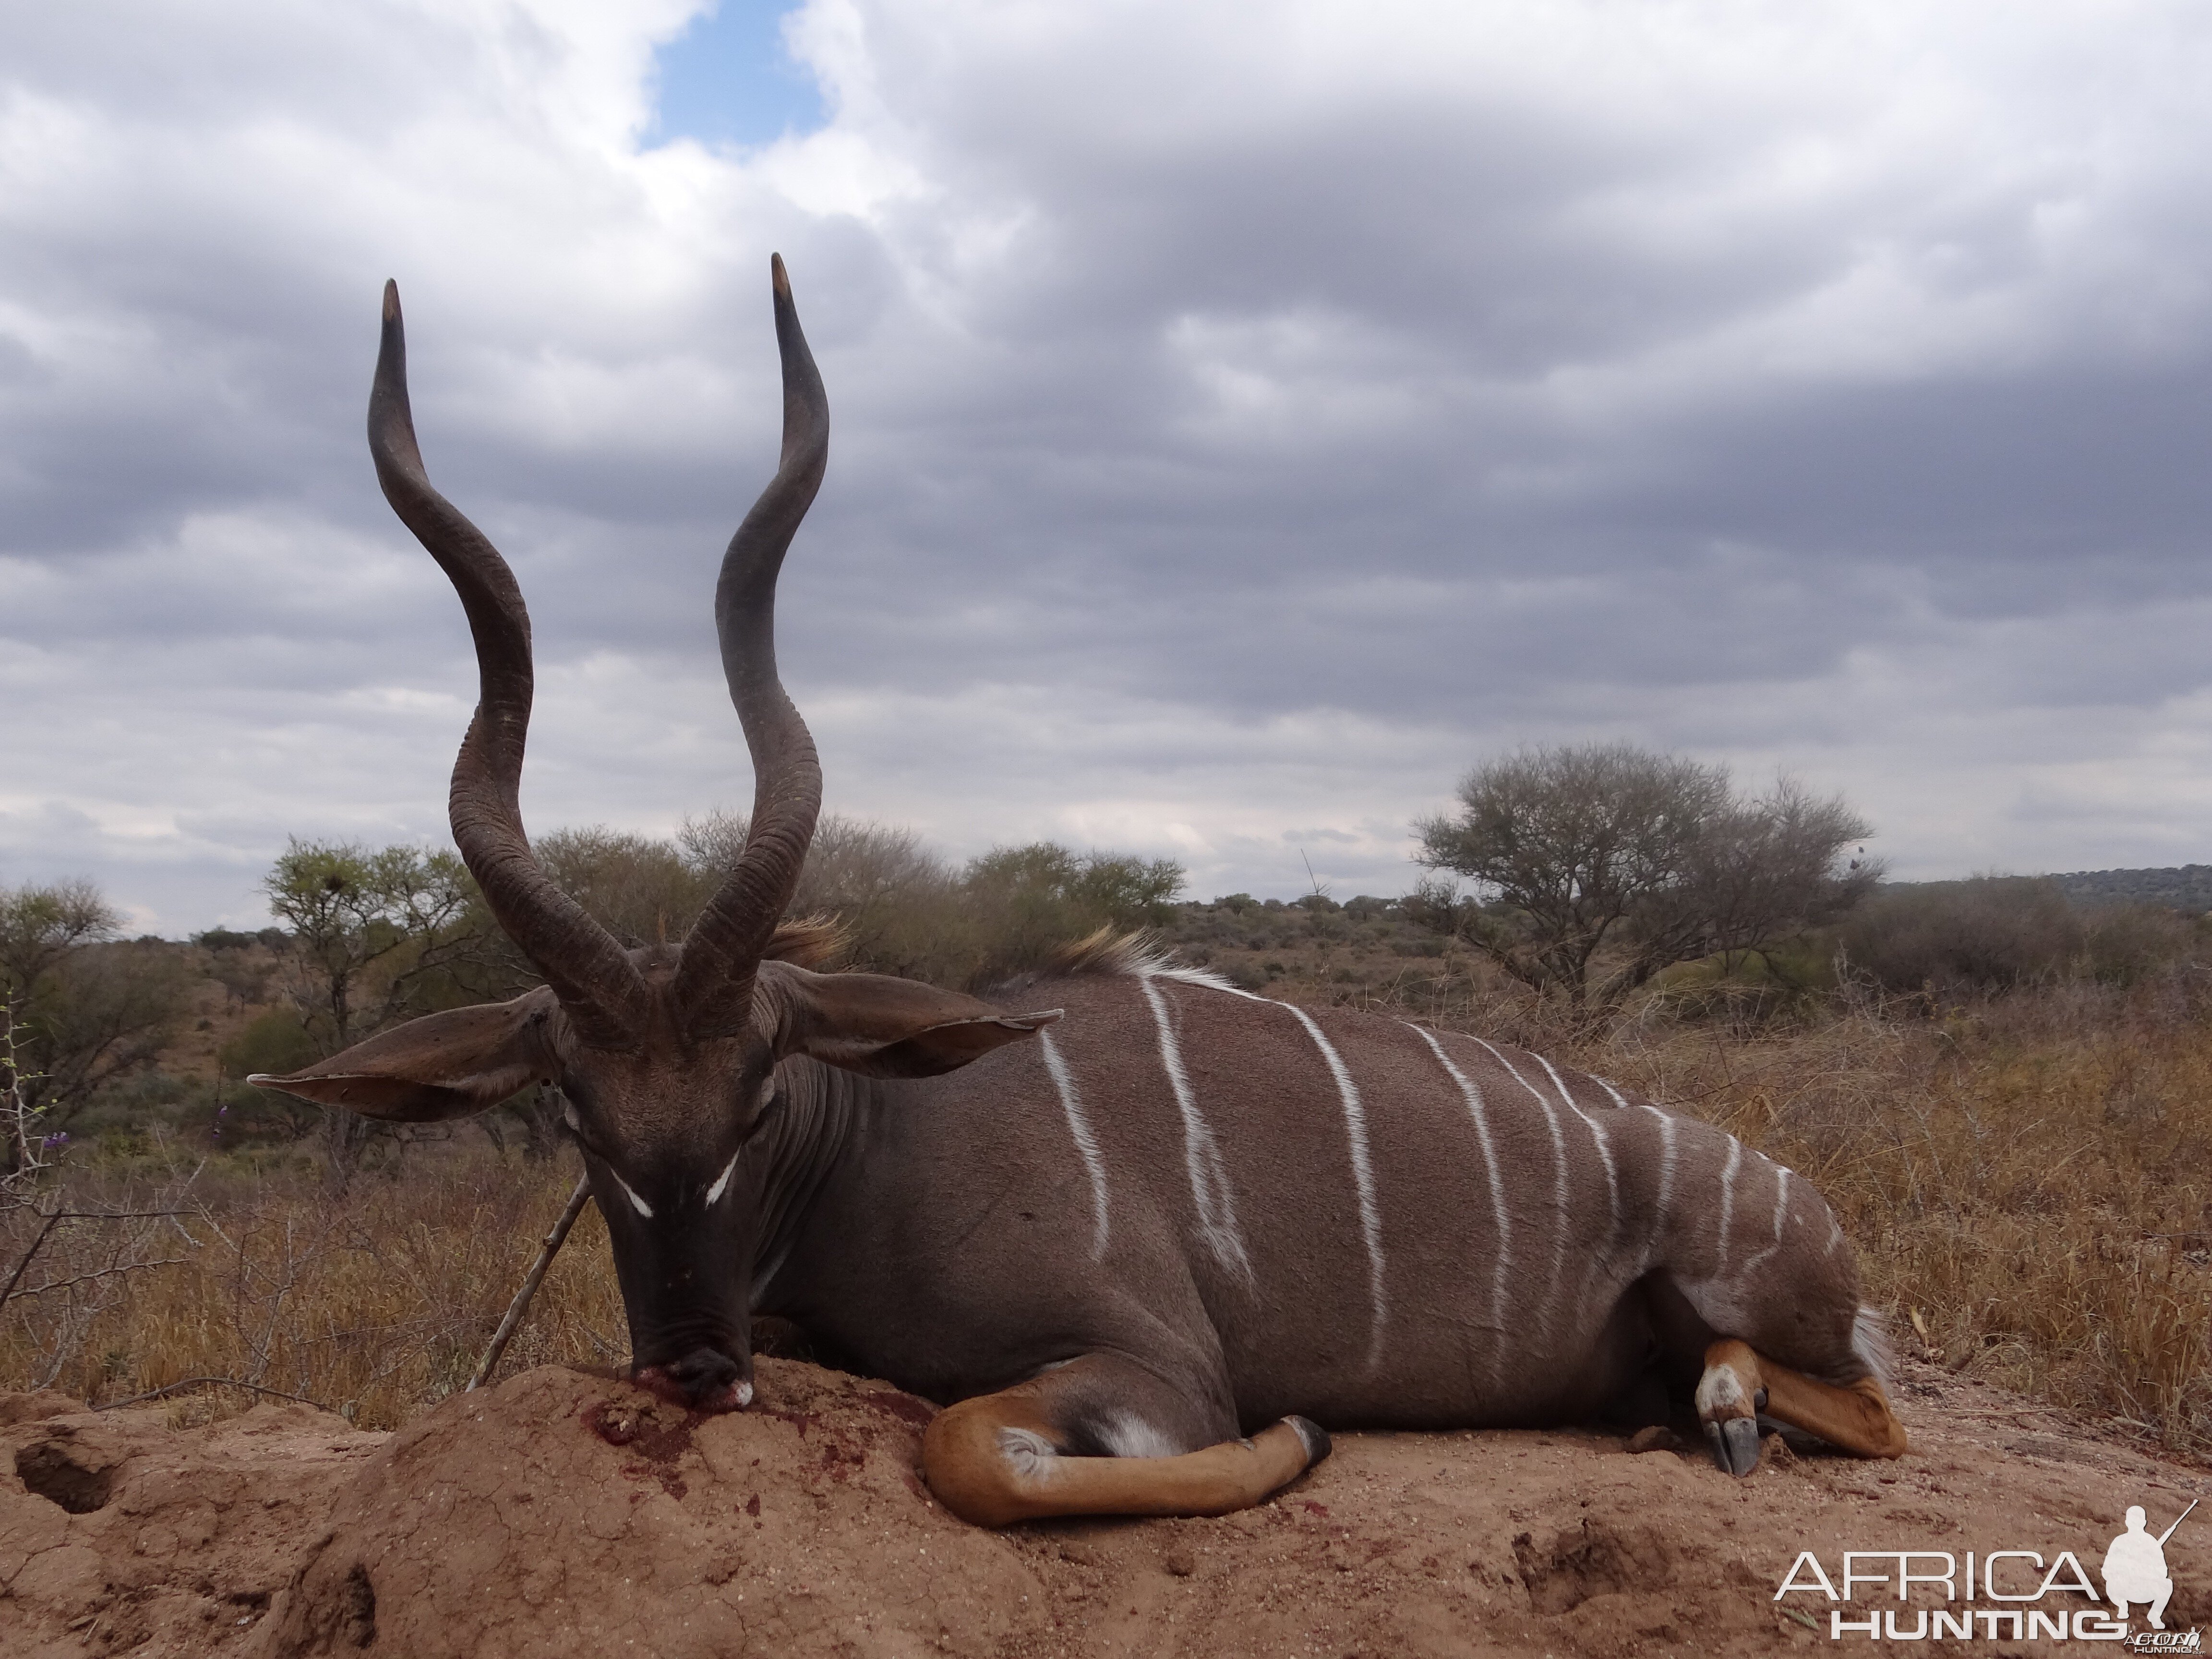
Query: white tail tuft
[{"x": 1870, "y": 1342}]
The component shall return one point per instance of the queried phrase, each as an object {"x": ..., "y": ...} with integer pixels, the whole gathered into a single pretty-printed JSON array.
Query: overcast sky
[{"x": 1246, "y": 417}]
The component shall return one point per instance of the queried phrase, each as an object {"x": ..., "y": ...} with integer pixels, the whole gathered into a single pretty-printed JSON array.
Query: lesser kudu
[{"x": 1119, "y": 1233}]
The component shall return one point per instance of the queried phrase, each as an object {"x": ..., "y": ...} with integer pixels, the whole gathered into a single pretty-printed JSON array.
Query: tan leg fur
[
  {"x": 984, "y": 1460},
  {"x": 1858, "y": 1417}
]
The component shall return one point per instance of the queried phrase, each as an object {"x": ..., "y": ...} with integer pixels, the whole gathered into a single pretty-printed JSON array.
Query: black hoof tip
[
  {"x": 1313, "y": 1436},
  {"x": 1734, "y": 1445}
]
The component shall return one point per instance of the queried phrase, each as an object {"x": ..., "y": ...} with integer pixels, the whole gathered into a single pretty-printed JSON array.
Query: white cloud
[{"x": 1245, "y": 418}]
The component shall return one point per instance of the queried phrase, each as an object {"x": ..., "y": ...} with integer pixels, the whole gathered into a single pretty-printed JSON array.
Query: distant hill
[{"x": 2187, "y": 887}]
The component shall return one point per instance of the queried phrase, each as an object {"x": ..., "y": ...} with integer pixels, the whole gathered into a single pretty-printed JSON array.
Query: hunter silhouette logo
[{"x": 2134, "y": 1567}]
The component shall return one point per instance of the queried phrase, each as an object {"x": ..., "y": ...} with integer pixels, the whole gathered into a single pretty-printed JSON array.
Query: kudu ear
[
  {"x": 441, "y": 1065},
  {"x": 885, "y": 1027}
]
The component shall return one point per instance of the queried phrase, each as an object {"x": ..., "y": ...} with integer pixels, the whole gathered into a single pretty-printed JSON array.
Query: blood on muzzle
[{"x": 704, "y": 1380}]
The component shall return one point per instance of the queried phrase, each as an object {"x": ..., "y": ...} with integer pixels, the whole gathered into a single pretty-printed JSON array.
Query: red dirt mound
[
  {"x": 120, "y": 1534},
  {"x": 564, "y": 1513}
]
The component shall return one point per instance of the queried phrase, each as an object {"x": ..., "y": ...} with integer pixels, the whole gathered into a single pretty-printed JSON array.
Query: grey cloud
[{"x": 1223, "y": 443}]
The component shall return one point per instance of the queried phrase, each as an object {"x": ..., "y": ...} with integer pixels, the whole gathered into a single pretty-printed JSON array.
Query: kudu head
[{"x": 666, "y": 1055}]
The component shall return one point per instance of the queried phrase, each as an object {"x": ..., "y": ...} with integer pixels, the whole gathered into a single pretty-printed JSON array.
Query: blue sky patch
[{"x": 728, "y": 80}]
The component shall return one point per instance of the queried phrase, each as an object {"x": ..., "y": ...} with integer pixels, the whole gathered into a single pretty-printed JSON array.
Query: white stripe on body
[
  {"x": 1079, "y": 1128},
  {"x": 1597, "y": 1133},
  {"x": 1355, "y": 1130},
  {"x": 1209, "y": 1176},
  {"x": 1599, "y": 1260},
  {"x": 1728, "y": 1202},
  {"x": 1720, "y": 1296},
  {"x": 1781, "y": 1212},
  {"x": 1472, "y": 1096},
  {"x": 1362, "y": 1176},
  {"x": 1559, "y": 1194},
  {"x": 1665, "y": 1218}
]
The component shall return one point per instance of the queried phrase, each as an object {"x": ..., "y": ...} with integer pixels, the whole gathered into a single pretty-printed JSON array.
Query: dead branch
[{"x": 209, "y": 1381}]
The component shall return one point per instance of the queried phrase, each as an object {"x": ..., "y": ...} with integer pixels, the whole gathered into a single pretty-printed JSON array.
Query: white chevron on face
[
  {"x": 1503, "y": 1266},
  {"x": 1079, "y": 1127},
  {"x": 1209, "y": 1176}
]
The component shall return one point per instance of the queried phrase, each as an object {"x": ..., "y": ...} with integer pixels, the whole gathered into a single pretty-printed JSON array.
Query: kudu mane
[
  {"x": 1110, "y": 952},
  {"x": 806, "y": 941}
]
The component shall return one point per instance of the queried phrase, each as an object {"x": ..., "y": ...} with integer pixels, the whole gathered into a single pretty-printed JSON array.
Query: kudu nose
[{"x": 706, "y": 1379}]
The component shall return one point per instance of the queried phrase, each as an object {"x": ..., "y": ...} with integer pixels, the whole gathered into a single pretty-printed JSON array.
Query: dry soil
[{"x": 565, "y": 1513}]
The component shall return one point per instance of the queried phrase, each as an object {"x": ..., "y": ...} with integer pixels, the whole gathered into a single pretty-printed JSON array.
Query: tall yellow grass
[
  {"x": 377, "y": 1303},
  {"x": 2027, "y": 1181}
]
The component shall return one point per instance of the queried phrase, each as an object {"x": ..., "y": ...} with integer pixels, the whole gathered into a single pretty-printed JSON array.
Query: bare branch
[
  {"x": 205, "y": 1383},
  {"x": 104, "y": 1273}
]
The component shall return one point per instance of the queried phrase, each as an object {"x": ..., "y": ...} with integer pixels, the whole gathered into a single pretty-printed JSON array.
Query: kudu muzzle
[{"x": 683, "y": 1283}]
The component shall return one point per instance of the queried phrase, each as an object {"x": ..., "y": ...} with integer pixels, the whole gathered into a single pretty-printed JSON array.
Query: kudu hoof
[
  {"x": 1735, "y": 1444},
  {"x": 1314, "y": 1437}
]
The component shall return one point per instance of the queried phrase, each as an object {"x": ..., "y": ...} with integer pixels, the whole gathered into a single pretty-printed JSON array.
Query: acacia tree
[
  {"x": 1604, "y": 863},
  {"x": 78, "y": 1008},
  {"x": 378, "y": 934}
]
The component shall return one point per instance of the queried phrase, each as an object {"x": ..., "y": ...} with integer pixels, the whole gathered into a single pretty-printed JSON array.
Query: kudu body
[{"x": 1118, "y": 1232}]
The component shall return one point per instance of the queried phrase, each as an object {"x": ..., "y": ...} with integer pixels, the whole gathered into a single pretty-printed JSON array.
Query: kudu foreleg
[
  {"x": 1010, "y": 1457},
  {"x": 1738, "y": 1383}
]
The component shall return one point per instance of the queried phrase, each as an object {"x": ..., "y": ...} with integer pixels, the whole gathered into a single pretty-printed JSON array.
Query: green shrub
[
  {"x": 276, "y": 1043},
  {"x": 1999, "y": 932}
]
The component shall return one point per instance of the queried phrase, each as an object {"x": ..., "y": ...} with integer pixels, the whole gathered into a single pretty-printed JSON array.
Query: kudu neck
[{"x": 817, "y": 1120}]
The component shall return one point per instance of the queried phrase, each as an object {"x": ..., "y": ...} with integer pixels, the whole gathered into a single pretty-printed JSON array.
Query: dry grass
[
  {"x": 377, "y": 1304},
  {"x": 2027, "y": 1180}
]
